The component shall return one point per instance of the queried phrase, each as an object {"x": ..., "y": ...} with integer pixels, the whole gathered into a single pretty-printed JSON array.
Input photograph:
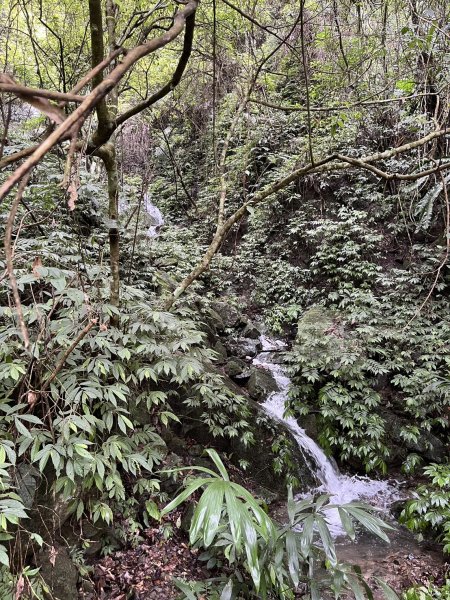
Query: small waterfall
[
  {"x": 156, "y": 217},
  {"x": 342, "y": 488}
]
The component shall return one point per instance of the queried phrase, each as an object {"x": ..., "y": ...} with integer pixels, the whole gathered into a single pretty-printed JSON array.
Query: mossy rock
[
  {"x": 235, "y": 366},
  {"x": 230, "y": 316},
  {"x": 261, "y": 384},
  {"x": 59, "y": 572}
]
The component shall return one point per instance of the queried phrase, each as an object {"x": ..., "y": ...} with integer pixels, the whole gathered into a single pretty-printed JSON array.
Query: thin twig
[{"x": 67, "y": 353}]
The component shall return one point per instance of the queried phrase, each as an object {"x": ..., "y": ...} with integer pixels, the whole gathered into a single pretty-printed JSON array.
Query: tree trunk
[
  {"x": 107, "y": 152},
  {"x": 108, "y": 155}
]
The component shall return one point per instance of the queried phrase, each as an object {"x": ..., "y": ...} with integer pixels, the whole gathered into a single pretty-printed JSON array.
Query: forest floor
[{"x": 147, "y": 571}]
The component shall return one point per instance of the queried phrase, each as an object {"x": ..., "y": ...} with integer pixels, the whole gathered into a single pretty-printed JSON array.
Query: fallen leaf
[
  {"x": 53, "y": 555},
  {"x": 37, "y": 264},
  {"x": 19, "y": 587}
]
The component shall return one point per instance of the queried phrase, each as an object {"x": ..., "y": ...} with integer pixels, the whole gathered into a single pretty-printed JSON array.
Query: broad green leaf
[
  {"x": 227, "y": 591},
  {"x": 184, "y": 495},
  {"x": 218, "y": 462},
  {"x": 292, "y": 557},
  {"x": 327, "y": 540},
  {"x": 347, "y": 523},
  {"x": 388, "y": 592}
]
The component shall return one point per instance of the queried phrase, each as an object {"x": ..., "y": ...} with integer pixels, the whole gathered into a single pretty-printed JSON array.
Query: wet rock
[
  {"x": 211, "y": 333},
  {"x": 215, "y": 320},
  {"x": 244, "y": 347},
  {"x": 273, "y": 443},
  {"x": 428, "y": 445},
  {"x": 261, "y": 384},
  {"x": 242, "y": 378},
  {"x": 235, "y": 367},
  {"x": 59, "y": 572},
  {"x": 229, "y": 315},
  {"x": 221, "y": 351},
  {"x": 251, "y": 331},
  {"x": 309, "y": 424}
]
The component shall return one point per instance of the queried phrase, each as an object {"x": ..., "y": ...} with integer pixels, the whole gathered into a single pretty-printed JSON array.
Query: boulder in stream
[
  {"x": 251, "y": 331},
  {"x": 244, "y": 347},
  {"x": 235, "y": 367},
  {"x": 261, "y": 384}
]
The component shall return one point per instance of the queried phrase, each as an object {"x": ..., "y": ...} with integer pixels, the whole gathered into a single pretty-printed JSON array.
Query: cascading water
[
  {"x": 342, "y": 488},
  {"x": 156, "y": 217}
]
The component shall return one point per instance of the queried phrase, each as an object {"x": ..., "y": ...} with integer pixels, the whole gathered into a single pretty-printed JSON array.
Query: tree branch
[
  {"x": 22, "y": 90},
  {"x": 176, "y": 77},
  {"x": 67, "y": 353},
  {"x": 336, "y": 108},
  {"x": 16, "y": 156},
  {"x": 99, "y": 93},
  {"x": 327, "y": 164},
  {"x": 9, "y": 259}
]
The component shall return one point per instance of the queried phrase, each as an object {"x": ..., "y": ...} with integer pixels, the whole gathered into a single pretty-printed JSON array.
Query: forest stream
[
  {"x": 394, "y": 563},
  {"x": 224, "y": 300}
]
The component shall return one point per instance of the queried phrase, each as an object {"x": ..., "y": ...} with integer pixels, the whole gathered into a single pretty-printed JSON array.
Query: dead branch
[{"x": 25, "y": 92}]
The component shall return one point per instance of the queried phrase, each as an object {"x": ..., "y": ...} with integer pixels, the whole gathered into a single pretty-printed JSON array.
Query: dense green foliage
[
  {"x": 348, "y": 262},
  {"x": 430, "y": 509},
  {"x": 430, "y": 592}
]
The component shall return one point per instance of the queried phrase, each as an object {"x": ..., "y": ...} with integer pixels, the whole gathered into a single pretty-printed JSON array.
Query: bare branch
[
  {"x": 24, "y": 92},
  {"x": 12, "y": 158},
  {"x": 38, "y": 102},
  {"x": 67, "y": 353},
  {"x": 97, "y": 94},
  {"x": 340, "y": 107},
  {"x": 176, "y": 77}
]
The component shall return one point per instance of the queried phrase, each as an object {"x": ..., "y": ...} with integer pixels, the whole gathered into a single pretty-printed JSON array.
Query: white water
[
  {"x": 156, "y": 217},
  {"x": 341, "y": 487}
]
